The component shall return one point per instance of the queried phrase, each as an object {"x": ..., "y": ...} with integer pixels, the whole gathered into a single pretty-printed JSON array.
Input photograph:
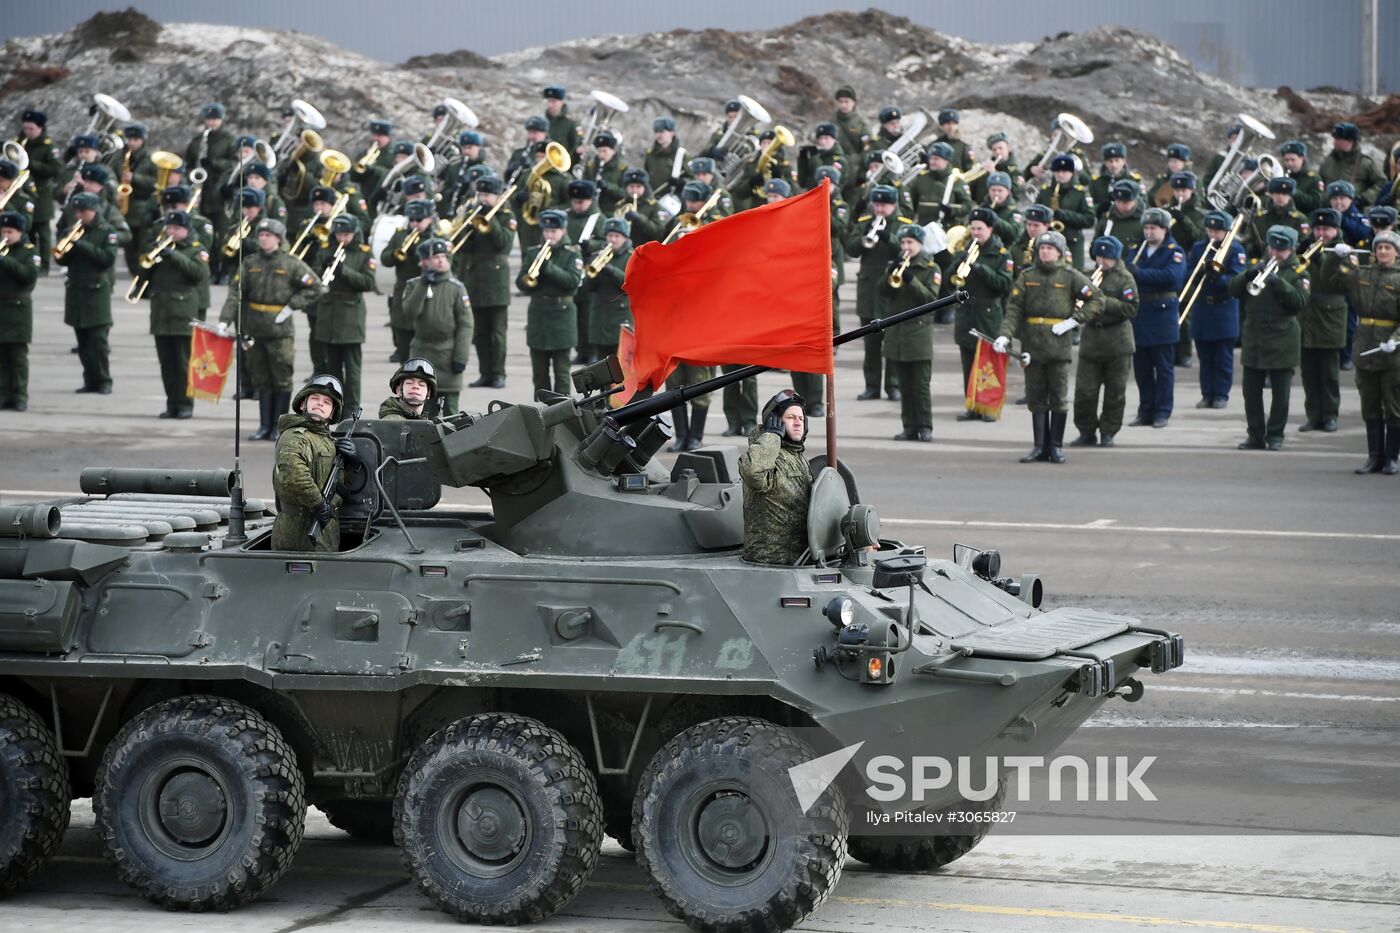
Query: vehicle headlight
[{"x": 840, "y": 611}]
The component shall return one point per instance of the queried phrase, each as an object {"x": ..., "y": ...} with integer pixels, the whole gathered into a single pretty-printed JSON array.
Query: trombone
[
  {"x": 149, "y": 260},
  {"x": 599, "y": 262},
  {"x": 1213, "y": 258},
  {"x": 369, "y": 158},
  {"x": 687, "y": 222},
  {"x": 482, "y": 223},
  {"x": 532, "y": 275},
  {"x": 63, "y": 246},
  {"x": 965, "y": 267},
  {"x": 463, "y": 225},
  {"x": 320, "y": 226}
]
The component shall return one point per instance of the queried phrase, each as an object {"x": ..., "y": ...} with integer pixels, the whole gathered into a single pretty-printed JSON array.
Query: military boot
[
  {"x": 696, "y": 439},
  {"x": 1040, "y": 423},
  {"x": 1054, "y": 451},
  {"x": 681, "y": 423},
  {"x": 264, "y": 430},
  {"x": 281, "y": 401},
  {"x": 1375, "y": 447},
  {"x": 1392, "y": 449}
]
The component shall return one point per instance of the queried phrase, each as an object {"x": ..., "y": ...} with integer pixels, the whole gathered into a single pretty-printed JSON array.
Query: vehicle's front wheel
[
  {"x": 498, "y": 819},
  {"x": 200, "y": 803},
  {"x": 34, "y": 794},
  {"x": 721, "y": 833}
]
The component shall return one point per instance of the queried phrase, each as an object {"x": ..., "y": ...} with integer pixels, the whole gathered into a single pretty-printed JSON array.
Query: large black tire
[
  {"x": 721, "y": 835},
  {"x": 200, "y": 803},
  {"x": 34, "y": 794},
  {"x": 365, "y": 820},
  {"x": 498, "y": 819},
  {"x": 924, "y": 853}
]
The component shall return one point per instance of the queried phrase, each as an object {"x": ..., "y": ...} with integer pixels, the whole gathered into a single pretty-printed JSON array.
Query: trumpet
[
  {"x": 4, "y": 249},
  {"x": 61, "y": 248},
  {"x": 532, "y": 275},
  {"x": 320, "y": 227},
  {"x": 1057, "y": 225},
  {"x": 687, "y": 222},
  {"x": 410, "y": 240},
  {"x": 1257, "y": 284},
  {"x": 369, "y": 158},
  {"x": 896, "y": 279},
  {"x": 149, "y": 260},
  {"x": 872, "y": 236},
  {"x": 555, "y": 157},
  {"x": 599, "y": 262},
  {"x": 235, "y": 240},
  {"x": 1213, "y": 259},
  {"x": 329, "y": 274},
  {"x": 481, "y": 223},
  {"x": 622, "y": 209},
  {"x": 965, "y": 267}
]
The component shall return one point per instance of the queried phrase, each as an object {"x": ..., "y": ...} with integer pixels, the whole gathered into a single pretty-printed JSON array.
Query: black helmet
[
  {"x": 419, "y": 368},
  {"x": 781, "y": 403},
  {"x": 322, "y": 384}
]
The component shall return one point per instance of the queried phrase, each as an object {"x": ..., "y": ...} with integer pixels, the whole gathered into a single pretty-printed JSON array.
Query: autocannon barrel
[
  {"x": 35, "y": 520},
  {"x": 103, "y": 481}
]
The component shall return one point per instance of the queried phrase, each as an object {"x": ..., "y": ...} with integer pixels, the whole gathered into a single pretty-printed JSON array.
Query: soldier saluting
[
  {"x": 777, "y": 483},
  {"x": 302, "y": 465}
]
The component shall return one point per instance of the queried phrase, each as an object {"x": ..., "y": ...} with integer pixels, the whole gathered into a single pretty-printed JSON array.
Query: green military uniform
[
  {"x": 143, "y": 192},
  {"x": 483, "y": 265},
  {"x": 564, "y": 131},
  {"x": 750, "y": 193},
  {"x": 1188, "y": 222},
  {"x": 1106, "y": 357},
  {"x": 87, "y": 303},
  {"x": 658, "y": 163},
  {"x": 874, "y": 265},
  {"x": 1041, "y": 297},
  {"x": 1270, "y": 339},
  {"x": 1356, "y": 167},
  {"x": 1127, "y": 229},
  {"x": 1374, "y": 291},
  {"x": 301, "y": 468},
  {"x": 909, "y": 346},
  {"x": 175, "y": 293},
  {"x": 355, "y": 205},
  {"x": 529, "y": 233},
  {"x": 1008, "y": 225},
  {"x": 812, "y": 386},
  {"x": 611, "y": 307},
  {"x": 220, "y": 159},
  {"x": 981, "y": 184},
  {"x": 926, "y": 194},
  {"x": 585, "y": 230},
  {"x": 988, "y": 282},
  {"x": 374, "y": 173},
  {"x": 551, "y": 324},
  {"x": 405, "y": 271},
  {"x": 962, "y": 152},
  {"x": 44, "y": 166},
  {"x": 203, "y": 228},
  {"x": 442, "y": 331},
  {"x": 649, "y": 220},
  {"x": 852, "y": 133},
  {"x": 608, "y": 179},
  {"x": 1074, "y": 207},
  {"x": 1258, "y": 225},
  {"x": 1310, "y": 191},
  {"x": 1323, "y": 322},
  {"x": 19, "y": 270},
  {"x": 1101, "y": 189},
  {"x": 777, "y": 489},
  {"x": 810, "y": 158},
  {"x": 340, "y": 315}
]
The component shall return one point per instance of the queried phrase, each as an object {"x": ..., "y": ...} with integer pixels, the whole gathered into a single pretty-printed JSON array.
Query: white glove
[
  {"x": 282, "y": 316},
  {"x": 1064, "y": 327},
  {"x": 1001, "y": 344},
  {"x": 1388, "y": 346},
  {"x": 1342, "y": 250},
  {"x": 224, "y": 329}
]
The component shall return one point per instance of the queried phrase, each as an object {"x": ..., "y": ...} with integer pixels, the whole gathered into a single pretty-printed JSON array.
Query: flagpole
[{"x": 831, "y": 416}]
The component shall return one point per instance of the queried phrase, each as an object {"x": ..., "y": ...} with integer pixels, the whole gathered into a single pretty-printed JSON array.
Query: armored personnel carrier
[{"x": 495, "y": 690}]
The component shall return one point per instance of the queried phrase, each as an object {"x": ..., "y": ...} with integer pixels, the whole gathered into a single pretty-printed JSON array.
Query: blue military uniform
[
  {"x": 1160, "y": 274},
  {"x": 1215, "y": 325}
]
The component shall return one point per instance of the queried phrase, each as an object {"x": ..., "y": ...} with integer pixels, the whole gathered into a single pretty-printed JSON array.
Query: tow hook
[{"x": 1131, "y": 691}]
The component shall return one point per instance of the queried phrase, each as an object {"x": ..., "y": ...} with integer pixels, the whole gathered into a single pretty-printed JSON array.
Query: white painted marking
[
  {"x": 1142, "y": 529},
  {"x": 1285, "y": 694}
]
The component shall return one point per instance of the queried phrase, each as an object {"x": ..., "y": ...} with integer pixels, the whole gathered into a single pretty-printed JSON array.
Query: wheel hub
[
  {"x": 192, "y": 808},
  {"x": 731, "y": 832},
  {"x": 491, "y": 825}
]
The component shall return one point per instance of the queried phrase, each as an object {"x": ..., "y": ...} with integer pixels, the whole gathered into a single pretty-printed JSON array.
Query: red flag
[
  {"x": 627, "y": 359},
  {"x": 210, "y": 356},
  {"x": 986, "y": 384},
  {"x": 754, "y": 288}
]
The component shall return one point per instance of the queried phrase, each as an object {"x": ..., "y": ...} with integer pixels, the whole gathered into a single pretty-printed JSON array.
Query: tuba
[
  {"x": 306, "y": 119},
  {"x": 1065, "y": 125},
  {"x": 555, "y": 157},
  {"x": 443, "y": 142},
  {"x": 422, "y": 161},
  {"x": 740, "y": 143},
  {"x": 108, "y": 113},
  {"x": 782, "y": 136},
  {"x": 605, "y": 107},
  {"x": 20, "y": 156},
  {"x": 1225, "y": 185}
]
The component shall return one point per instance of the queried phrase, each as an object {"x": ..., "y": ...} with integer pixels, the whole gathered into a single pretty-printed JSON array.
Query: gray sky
[{"x": 1224, "y": 38}]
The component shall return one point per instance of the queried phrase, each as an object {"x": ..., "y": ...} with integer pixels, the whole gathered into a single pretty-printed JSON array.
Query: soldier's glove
[
  {"x": 1059, "y": 215},
  {"x": 167, "y": 252},
  {"x": 346, "y": 448},
  {"x": 1001, "y": 344},
  {"x": 1389, "y": 346},
  {"x": 324, "y": 513},
  {"x": 632, "y": 216},
  {"x": 459, "y": 368},
  {"x": 675, "y": 182},
  {"x": 1064, "y": 327},
  {"x": 1342, "y": 250},
  {"x": 283, "y": 316},
  {"x": 430, "y": 276},
  {"x": 773, "y": 424}
]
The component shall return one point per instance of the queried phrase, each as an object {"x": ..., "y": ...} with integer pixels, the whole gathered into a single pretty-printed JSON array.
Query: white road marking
[
  {"x": 1101, "y": 525},
  {"x": 1285, "y": 694}
]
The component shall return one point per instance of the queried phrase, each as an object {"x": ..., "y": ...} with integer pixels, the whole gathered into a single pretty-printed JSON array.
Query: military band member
[
  {"x": 1048, "y": 301},
  {"x": 1069, "y": 202},
  {"x": 911, "y": 279},
  {"x": 44, "y": 166},
  {"x": 19, "y": 270},
  {"x": 1323, "y": 322},
  {"x": 1159, "y": 193},
  {"x": 703, "y": 170},
  {"x": 647, "y": 217},
  {"x": 610, "y": 306},
  {"x": 549, "y": 191},
  {"x": 891, "y": 127},
  {"x": 1308, "y": 185},
  {"x": 251, "y": 209},
  {"x": 1215, "y": 316},
  {"x": 1381, "y": 218},
  {"x": 459, "y": 179},
  {"x": 436, "y": 302},
  {"x": 825, "y": 152},
  {"x": 813, "y": 385},
  {"x": 1188, "y": 227},
  {"x": 400, "y": 151},
  {"x": 1374, "y": 290},
  {"x": 401, "y": 255},
  {"x": 853, "y": 132},
  {"x": 1105, "y": 350},
  {"x": 523, "y": 157},
  {"x": 23, "y": 200},
  {"x": 732, "y": 109},
  {"x": 1007, "y": 225},
  {"x": 1159, "y": 268},
  {"x": 132, "y": 166},
  {"x": 263, "y": 293},
  {"x": 551, "y": 326},
  {"x": 1346, "y": 162},
  {"x": 213, "y": 150},
  {"x": 414, "y": 388},
  {"x": 1112, "y": 170},
  {"x": 754, "y": 192},
  {"x": 875, "y": 173},
  {"x": 1123, "y": 220},
  {"x": 180, "y": 198},
  {"x": 1278, "y": 210},
  {"x": 585, "y": 230},
  {"x": 927, "y": 189},
  {"x": 950, "y": 132},
  {"x": 988, "y": 282},
  {"x": 1001, "y": 159},
  {"x": 873, "y": 242},
  {"x": 306, "y": 453},
  {"x": 246, "y": 154},
  {"x": 380, "y": 138},
  {"x": 605, "y": 168},
  {"x": 1270, "y": 338},
  {"x": 1038, "y": 218},
  {"x": 1216, "y": 161},
  {"x": 259, "y": 178},
  {"x": 483, "y": 265},
  {"x": 562, "y": 128},
  {"x": 175, "y": 288},
  {"x": 87, "y": 150},
  {"x": 665, "y": 160},
  {"x": 340, "y": 313},
  {"x": 97, "y": 181},
  {"x": 87, "y": 303},
  {"x": 322, "y": 204}
]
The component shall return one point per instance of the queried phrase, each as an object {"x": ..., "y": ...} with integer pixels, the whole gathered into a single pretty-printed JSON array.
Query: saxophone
[
  {"x": 1057, "y": 225},
  {"x": 124, "y": 189}
]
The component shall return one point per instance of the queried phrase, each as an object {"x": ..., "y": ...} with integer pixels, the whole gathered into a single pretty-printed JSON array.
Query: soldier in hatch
[
  {"x": 777, "y": 483},
  {"x": 414, "y": 385},
  {"x": 306, "y": 451}
]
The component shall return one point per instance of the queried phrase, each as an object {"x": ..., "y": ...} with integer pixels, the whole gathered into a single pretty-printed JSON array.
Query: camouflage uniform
[
  {"x": 301, "y": 467},
  {"x": 19, "y": 270},
  {"x": 267, "y": 283},
  {"x": 1043, "y": 296},
  {"x": 777, "y": 487},
  {"x": 442, "y": 331},
  {"x": 394, "y": 408}
]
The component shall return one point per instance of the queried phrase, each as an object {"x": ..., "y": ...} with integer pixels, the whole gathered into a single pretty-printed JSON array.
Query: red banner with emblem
[
  {"x": 986, "y": 384},
  {"x": 211, "y": 357},
  {"x": 627, "y": 359}
]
